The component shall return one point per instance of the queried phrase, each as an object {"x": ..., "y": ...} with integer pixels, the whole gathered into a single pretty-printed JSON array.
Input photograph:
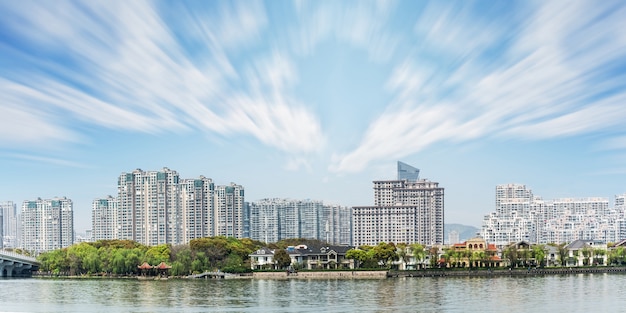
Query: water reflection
[{"x": 591, "y": 292}]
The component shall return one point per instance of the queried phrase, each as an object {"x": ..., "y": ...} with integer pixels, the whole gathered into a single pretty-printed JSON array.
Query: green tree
[
  {"x": 511, "y": 254},
  {"x": 433, "y": 254},
  {"x": 419, "y": 253},
  {"x": 157, "y": 254},
  {"x": 359, "y": 256},
  {"x": 178, "y": 269},
  {"x": 562, "y": 251},
  {"x": 586, "y": 252},
  {"x": 539, "y": 254},
  {"x": 599, "y": 256},
  {"x": 384, "y": 253},
  {"x": 281, "y": 258}
]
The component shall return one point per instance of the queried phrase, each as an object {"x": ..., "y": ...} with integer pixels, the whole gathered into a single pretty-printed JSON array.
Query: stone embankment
[
  {"x": 506, "y": 272},
  {"x": 322, "y": 274}
]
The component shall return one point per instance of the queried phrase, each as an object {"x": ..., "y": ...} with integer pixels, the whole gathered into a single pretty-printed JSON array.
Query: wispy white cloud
[
  {"x": 43, "y": 159},
  {"x": 362, "y": 24},
  {"x": 126, "y": 68},
  {"x": 543, "y": 85}
]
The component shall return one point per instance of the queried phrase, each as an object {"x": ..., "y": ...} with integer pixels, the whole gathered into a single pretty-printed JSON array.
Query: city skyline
[{"x": 314, "y": 100}]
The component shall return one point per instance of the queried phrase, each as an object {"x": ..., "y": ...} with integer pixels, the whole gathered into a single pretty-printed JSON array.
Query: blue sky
[{"x": 314, "y": 99}]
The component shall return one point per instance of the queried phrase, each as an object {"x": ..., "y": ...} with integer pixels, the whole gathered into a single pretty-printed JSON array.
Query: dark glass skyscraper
[{"x": 407, "y": 172}]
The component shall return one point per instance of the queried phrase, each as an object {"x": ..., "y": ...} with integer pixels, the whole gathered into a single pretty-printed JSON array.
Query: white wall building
[
  {"x": 47, "y": 224},
  {"x": 520, "y": 216},
  {"x": 10, "y": 225},
  {"x": 148, "y": 207},
  {"x": 104, "y": 219},
  {"x": 272, "y": 220},
  {"x": 405, "y": 210}
]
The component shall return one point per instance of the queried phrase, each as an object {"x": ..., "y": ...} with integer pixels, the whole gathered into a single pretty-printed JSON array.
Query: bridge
[{"x": 17, "y": 265}]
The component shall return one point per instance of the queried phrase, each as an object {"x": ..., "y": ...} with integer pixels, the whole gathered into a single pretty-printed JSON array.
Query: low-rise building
[{"x": 305, "y": 257}]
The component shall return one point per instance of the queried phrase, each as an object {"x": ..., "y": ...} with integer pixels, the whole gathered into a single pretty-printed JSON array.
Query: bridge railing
[{"x": 18, "y": 256}]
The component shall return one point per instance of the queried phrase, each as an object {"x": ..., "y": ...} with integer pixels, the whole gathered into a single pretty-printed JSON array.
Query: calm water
[{"x": 573, "y": 293}]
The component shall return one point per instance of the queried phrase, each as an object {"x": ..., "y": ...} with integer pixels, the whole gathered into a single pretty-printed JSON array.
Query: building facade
[
  {"x": 10, "y": 225},
  {"x": 148, "y": 207},
  {"x": 521, "y": 216},
  {"x": 158, "y": 207},
  {"x": 104, "y": 219},
  {"x": 47, "y": 224},
  {"x": 272, "y": 220},
  {"x": 197, "y": 203},
  {"x": 405, "y": 210},
  {"x": 229, "y": 211}
]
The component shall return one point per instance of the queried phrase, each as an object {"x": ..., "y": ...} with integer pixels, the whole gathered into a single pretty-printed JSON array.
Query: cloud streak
[
  {"x": 122, "y": 66},
  {"x": 548, "y": 82}
]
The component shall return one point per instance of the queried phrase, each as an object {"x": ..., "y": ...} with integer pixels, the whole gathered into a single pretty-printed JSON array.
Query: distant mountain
[{"x": 465, "y": 231}]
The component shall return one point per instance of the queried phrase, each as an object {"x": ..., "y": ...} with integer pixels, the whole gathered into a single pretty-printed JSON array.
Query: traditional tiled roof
[
  {"x": 162, "y": 266},
  {"x": 145, "y": 266}
]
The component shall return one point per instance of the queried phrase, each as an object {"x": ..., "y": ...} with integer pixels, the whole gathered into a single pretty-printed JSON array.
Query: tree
[
  {"x": 433, "y": 253},
  {"x": 158, "y": 254},
  {"x": 281, "y": 259},
  {"x": 510, "y": 253},
  {"x": 562, "y": 250},
  {"x": 385, "y": 253},
  {"x": 539, "y": 253},
  {"x": 359, "y": 256},
  {"x": 419, "y": 253},
  {"x": 586, "y": 252},
  {"x": 599, "y": 256}
]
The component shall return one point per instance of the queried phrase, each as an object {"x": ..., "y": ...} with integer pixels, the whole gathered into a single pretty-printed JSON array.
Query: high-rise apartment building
[
  {"x": 10, "y": 225},
  {"x": 47, "y": 224},
  {"x": 197, "y": 206},
  {"x": 157, "y": 207},
  {"x": 272, "y": 220},
  {"x": 104, "y": 219},
  {"x": 148, "y": 207},
  {"x": 409, "y": 210},
  {"x": 519, "y": 215},
  {"x": 229, "y": 213}
]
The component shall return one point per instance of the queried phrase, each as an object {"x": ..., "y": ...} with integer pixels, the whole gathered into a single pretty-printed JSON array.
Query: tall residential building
[
  {"x": 272, "y": 220},
  {"x": 104, "y": 219},
  {"x": 157, "y": 207},
  {"x": 229, "y": 211},
  {"x": 197, "y": 206},
  {"x": 409, "y": 211},
  {"x": 521, "y": 216},
  {"x": 10, "y": 225},
  {"x": 148, "y": 207},
  {"x": 47, "y": 224}
]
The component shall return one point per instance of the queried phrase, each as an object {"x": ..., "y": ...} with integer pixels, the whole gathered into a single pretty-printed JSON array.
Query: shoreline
[
  {"x": 507, "y": 272},
  {"x": 374, "y": 274}
]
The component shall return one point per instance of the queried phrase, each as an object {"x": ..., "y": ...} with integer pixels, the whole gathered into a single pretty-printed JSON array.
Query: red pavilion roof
[
  {"x": 145, "y": 266},
  {"x": 162, "y": 266}
]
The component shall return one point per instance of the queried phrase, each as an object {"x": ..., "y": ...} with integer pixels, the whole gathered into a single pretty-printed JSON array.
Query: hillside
[{"x": 465, "y": 231}]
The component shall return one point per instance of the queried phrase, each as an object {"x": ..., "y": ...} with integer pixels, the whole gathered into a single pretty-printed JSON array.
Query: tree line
[{"x": 122, "y": 257}]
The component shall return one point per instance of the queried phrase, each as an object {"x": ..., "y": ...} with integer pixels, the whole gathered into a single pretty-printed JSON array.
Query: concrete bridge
[{"x": 17, "y": 265}]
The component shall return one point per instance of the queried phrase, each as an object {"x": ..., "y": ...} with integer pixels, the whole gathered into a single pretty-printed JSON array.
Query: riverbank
[
  {"x": 322, "y": 274},
  {"x": 506, "y": 272},
  {"x": 382, "y": 274}
]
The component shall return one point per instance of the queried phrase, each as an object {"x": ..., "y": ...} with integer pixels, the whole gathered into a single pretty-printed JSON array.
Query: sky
[{"x": 314, "y": 99}]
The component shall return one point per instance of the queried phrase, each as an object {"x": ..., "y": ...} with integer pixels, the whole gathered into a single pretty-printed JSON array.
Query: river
[{"x": 556, "y": 293}]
